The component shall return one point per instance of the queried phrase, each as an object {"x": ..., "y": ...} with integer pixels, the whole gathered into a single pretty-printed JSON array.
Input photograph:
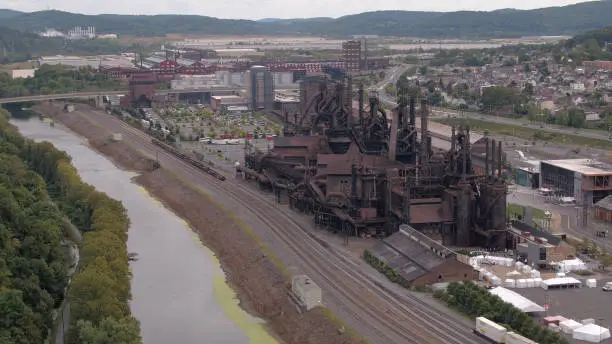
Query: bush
[{"x": 386, "y": 270}]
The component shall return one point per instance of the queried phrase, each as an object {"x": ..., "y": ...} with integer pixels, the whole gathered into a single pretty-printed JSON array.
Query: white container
[
  {"x": 510, "y": 283},
  {"x": 526, "y": 269},
  {"x": 535, "y": 274},
  {"x": 519, "y": 265},
  {"x": 489, "y": 329},
  {"x": 591, "y": 283},
  {"x": 515, "y": 338},
  {"x": 537, "y": 282},
  {"x": 522, "y": 283},
  {"x": 530, "y": 283}
]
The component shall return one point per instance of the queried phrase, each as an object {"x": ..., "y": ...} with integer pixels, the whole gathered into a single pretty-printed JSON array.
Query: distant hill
[
  {"x": 565, "y": 20},
  {"x": 5, "y": 14}
]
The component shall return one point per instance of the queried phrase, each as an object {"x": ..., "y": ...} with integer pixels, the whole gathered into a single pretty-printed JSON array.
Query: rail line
[{"x": 408, "y": 320}]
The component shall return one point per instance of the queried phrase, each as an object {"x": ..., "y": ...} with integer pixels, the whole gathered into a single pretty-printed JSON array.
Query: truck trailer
[
  {"x": 490, "y": 330},
  {"x": 498, "y": 334}
]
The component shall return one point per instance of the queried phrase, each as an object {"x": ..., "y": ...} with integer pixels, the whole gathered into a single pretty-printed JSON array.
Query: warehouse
[
  {"x": 527, "y": 176},
  {"x": 603, "y": 209},
  {"x": 585, "y": 180},
  {"x": 420, "y": 260}
]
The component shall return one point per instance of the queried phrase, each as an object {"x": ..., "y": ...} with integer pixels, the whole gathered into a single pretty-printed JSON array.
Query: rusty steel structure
[{"x": 366, "y": 173}]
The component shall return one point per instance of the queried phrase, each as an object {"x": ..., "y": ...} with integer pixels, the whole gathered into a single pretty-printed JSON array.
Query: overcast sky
[{"x": 257, "y": 9}]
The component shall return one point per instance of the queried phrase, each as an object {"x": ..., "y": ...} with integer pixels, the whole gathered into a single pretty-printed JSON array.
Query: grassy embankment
[{"x": 527, "y": 133}]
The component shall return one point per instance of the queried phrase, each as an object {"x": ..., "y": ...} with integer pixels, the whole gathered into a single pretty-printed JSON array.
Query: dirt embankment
[{"x": 262, "y": 288}]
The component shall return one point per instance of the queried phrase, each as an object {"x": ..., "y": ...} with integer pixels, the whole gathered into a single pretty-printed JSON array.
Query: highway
[
  {"x": 366, "y": 301},
  {"x": 594, "y": 134},
  {"x": 76, "y": 95}
]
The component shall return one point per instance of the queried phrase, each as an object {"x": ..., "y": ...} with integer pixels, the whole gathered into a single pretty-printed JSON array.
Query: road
[
  {"x": 594, "y": 134},
  {"x": 365, "y": 300},
  {"x": 75, "y": 95},
  {"x": 569, "y": 214}
]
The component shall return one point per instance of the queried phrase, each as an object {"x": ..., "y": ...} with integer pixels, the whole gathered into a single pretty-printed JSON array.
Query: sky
[{"x": 258, "y": 9}]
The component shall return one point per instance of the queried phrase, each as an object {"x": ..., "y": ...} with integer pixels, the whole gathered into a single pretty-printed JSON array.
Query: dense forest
[
  {"x": 463, "y": 24},
  {"x": 38, "y": 186},
  {"x": 57, "y": 79}
]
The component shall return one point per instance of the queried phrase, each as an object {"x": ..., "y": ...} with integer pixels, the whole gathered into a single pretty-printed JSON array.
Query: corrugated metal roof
[
  {"x": 605, "y": 203},
  {"x": 409, "y": 257}
]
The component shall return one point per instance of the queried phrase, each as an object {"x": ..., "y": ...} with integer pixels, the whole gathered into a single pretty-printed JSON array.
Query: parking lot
[{"x": 575, "y": 303}]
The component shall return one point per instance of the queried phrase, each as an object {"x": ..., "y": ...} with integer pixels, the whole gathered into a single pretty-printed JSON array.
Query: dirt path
[{"x": 261, "y": 286}]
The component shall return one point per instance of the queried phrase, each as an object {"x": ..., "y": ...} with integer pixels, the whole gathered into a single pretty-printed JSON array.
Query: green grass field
[{"x": 527, "y": 134}]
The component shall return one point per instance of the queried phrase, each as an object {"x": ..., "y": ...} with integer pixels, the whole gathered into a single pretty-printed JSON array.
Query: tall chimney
[
  {"x": 412, "y": 119},
  {"x": 361, "y": 104},
  {"x": 499, "y": 161},
  {"x": 393, "y": 136},
  {"x": 424, "y": 131},
  {"x": 486, "y": 169},
  {"x": 493, "y": 159}
]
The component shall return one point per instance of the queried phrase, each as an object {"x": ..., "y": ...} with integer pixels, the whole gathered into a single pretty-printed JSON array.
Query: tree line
[
  {"x": 476, "y": 301},
  {"x": 50, "y": 79},
  {"x": 99, "y": 294}
]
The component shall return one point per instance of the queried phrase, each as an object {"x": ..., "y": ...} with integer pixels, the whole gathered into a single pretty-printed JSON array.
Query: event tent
[
  {"x": 517, "y": 300},
  {"x": 559, "y": 282},
  {"x": 591, "y": 333}
]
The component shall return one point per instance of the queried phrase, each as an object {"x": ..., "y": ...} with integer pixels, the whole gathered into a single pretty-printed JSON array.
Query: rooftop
[
  {"x": 583, "y": 166},
  {"x": 411, "y": 253},
  {"x": 605, "y": 203}
]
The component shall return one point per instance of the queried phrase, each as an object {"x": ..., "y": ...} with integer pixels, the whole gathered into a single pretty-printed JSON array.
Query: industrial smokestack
[
  {"x": 486, "y": 169},
  {"x": 393, "y": 136},
  {"x": 354, "y": 182},
  {"x": 424, "y": 131},
  {"x": 493, "y": 159},
  {"x": 412, "y": 119},
  {"x": 499, "y": 161},
  {"x": 361, "y": 104}
]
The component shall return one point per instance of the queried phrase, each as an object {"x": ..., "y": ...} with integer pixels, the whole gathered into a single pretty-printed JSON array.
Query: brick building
[{"x": 603, "y": 209}]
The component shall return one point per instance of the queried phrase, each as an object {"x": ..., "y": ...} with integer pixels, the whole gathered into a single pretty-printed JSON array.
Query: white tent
[
  {"x": 572, "y": 265},
  {"x": 591, "y": 333},
  {"x": 568, "y": 326},
  {"x": 560, "y": 282},
  {"x": 517, "y": 300}
]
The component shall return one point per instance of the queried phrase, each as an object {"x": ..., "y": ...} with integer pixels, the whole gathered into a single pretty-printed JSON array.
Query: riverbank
[{"x": 261, "y": 285}]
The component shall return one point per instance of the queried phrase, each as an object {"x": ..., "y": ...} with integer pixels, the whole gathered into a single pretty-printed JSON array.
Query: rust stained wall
[{"x": 451, "y": 271}]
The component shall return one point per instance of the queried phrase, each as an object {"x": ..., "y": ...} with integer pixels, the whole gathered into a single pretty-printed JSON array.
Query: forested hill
[{"x": 563, "y": 20}]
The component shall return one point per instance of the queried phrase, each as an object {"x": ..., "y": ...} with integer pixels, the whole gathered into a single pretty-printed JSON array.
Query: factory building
[
  {"x": 420, "y": 260},
  {"x": 585, "y": 180},
  {"x": 351, "y": 54},
  {"x": 260, "y": 88},
  {"x": 527, "y": 176},
  {"x": 603, "y": 209},
  {"x": 225, "y": 102}
]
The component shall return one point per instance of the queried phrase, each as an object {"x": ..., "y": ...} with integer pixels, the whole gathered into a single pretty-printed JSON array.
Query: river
[{"x": 179, "y": 293}]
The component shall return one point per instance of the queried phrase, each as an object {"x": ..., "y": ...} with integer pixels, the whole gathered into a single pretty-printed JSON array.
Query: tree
[{"x": 109, "y": 331}]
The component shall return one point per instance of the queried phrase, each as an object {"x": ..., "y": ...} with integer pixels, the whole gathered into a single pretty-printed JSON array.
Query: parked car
[{"x": 607, "y": 286}]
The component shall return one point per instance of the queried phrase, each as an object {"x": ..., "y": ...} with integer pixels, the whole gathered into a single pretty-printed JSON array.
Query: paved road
[
  {"x": 594, "y": 134},
  {"x": 366, "y": 302},
  {"x": 569, "y": 214}
]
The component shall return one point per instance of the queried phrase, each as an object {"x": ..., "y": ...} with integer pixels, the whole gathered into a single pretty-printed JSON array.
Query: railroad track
[{"x": 366, "y": 300}]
